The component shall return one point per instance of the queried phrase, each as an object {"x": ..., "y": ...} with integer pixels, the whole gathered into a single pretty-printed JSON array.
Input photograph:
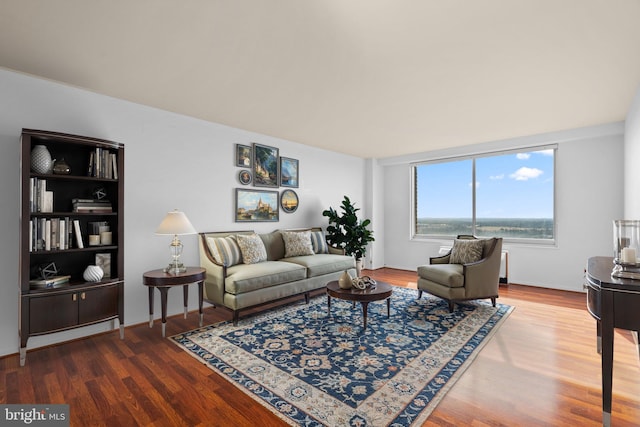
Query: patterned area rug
[{"x": 316, "y": 370}]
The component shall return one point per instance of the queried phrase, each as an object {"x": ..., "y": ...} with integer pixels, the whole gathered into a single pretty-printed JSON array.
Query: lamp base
[{"x": 175, "y": 268}]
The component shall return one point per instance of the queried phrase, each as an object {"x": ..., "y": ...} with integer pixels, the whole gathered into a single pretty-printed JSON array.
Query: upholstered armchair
[{"x": 471, "y": 270}]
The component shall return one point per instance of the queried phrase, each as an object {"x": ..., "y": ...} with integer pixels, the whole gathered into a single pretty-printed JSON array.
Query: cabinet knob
[
  {"x": 74, "y": 297},
  {"x": 82, "y": 296}
]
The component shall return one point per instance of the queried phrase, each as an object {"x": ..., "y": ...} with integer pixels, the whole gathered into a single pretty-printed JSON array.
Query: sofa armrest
[{"x": 216, "y": 272}]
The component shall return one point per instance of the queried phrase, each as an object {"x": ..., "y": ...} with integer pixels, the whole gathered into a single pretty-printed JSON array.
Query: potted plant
[{"x": 346, "y": 231}]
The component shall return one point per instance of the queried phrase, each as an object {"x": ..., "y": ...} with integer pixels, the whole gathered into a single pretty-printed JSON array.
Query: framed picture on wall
[
  {"x": 289, "y": 172},
  {"x": 289, "y": 201},
  {"x": 256, "y": 205},
  {"x": 243, "y": 156},
  {"x": 265, "y": 166}
]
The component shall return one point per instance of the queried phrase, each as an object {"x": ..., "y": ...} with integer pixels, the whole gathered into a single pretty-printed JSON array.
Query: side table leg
[
  {"x": 151, "y": 306},
  {"x": 163, "y": 302},
  {"x": 365, "y": 305},
  {"x": 185, "y": 298},
  {"x": 200, "y": 299}
]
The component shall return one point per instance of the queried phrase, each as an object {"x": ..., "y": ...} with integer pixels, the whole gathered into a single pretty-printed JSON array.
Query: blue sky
[{"x": 507, "y": 186}]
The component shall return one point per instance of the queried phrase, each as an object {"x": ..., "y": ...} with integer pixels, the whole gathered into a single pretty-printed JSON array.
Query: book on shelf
[
  {"x": 51, "y": 282},
  {"x": 102, "y": 164},
  {"x": 76, "y": 229},
  {"x": 50, "y": 234},
  {"x": 91, "y": 205}
]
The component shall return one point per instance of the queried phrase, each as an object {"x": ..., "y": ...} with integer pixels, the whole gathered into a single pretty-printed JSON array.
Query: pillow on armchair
[{"x": 466, "y": 251}]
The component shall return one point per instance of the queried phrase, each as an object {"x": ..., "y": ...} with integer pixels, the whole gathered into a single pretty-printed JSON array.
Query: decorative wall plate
[{"x": 245, "y": 177}]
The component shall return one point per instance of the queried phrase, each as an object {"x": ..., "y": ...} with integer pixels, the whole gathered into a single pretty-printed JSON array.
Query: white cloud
[
  {"x": 501, "y": 176},
  {"x": 523, "y": 156},
  {"x": 524, "y": 174}
]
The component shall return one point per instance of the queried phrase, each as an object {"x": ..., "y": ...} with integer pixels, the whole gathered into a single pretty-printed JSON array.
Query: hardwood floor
[{"x": 540, "y": 369}]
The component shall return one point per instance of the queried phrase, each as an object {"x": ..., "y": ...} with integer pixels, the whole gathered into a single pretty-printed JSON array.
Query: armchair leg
[
  {"x": 450, "y": 306},
  {"x": 419, "y": 293},
  {"x": 493, "y": 301}
]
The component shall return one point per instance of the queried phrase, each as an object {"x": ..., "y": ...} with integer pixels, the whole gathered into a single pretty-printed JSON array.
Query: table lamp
[{"x": 175, "y": 223}]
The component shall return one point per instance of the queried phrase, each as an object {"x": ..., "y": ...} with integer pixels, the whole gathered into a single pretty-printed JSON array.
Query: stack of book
[
  {"x": 49, "y": 283},
  {"x": 91, "y": 205}
]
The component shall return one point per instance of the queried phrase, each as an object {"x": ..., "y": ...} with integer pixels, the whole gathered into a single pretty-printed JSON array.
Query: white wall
[
  {"x": 171, "y": 162},
  {"x": 589, "y": 196},
  {"x": 632, "y": 155}
]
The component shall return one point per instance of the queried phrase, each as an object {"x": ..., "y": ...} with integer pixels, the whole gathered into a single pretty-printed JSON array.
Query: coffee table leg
[
  {"x": 365, "y": 305},
  {"x": 388, "y": 307},
  {"x": 328, "y": 305}
]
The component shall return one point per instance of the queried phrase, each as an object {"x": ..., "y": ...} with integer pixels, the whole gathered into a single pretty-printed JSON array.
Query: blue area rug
[{"x": 316, "y": 370}]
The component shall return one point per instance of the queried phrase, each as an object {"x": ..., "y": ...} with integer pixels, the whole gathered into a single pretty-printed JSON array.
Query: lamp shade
[{"x": 174, "y": 223}]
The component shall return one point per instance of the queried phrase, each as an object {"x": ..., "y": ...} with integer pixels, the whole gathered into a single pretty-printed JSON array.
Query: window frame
[{"x": 446, "y": 159}]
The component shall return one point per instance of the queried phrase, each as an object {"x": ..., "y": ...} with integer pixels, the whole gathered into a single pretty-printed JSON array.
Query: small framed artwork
[
  {"x": 245, "y": 177},
  {"x": 103, "y": 260},
  {"x": 243, "y": 156},
  {"x": 265, "y": 166},
  {"x": 289, "y": 172},
  {"x": 289, "y": 201},
  {"x": 256, "y": 205}
]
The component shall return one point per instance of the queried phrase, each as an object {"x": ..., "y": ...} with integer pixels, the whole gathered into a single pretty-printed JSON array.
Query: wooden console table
[
  {"x": 613, "y": 303},
  {"x": 163, "y": 281}
]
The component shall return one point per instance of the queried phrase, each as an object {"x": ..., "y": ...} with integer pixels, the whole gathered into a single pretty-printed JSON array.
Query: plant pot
[{"x": 359, "y": 267}]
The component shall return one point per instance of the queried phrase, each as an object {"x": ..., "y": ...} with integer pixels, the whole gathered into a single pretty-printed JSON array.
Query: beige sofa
[{"x": 286, "y": 270}]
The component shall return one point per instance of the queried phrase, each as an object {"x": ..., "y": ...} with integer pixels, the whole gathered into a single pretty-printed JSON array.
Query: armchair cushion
[
  {"x": 451, "y": 275},
  {"x": 466, "y": 251}
]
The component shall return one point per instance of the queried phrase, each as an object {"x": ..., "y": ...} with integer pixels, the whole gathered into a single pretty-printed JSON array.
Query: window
[{"x": 509, "y": 195}]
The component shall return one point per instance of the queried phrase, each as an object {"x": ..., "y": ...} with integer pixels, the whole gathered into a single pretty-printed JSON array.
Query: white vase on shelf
[
  {"x": 93, "y": 273},
  {"x": 41, "y": 159}
]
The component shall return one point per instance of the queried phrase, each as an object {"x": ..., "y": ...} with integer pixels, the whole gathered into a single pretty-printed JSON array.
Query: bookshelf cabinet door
[
  {"x": 98, "y": 304},
  {"x": 53, "y": 312}
]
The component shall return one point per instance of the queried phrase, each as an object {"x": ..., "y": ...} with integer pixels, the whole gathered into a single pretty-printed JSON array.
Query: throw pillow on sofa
[
  {"x": 319, "y": 242},
  {"x": 252, "y": 248},
  {"x": 225, "y": 250},
  {"x": 297, "y": 243},
  {"x": 466, "y": 251}
]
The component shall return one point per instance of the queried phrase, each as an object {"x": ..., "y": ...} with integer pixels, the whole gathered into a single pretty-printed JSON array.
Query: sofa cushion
[
  {"x": 321, "y": 264},
  {"x": 274, "y": 245},
  {"x": 466, "y": 251},
  {"x": 225, "y": 250},
  {"x": 252, "y": 248},
  {"x": 250, "y": 277},
  {"x": 319, "y": 242},
  {"x": 445, "y": 274},
  {"x": 297, "y": 243}
]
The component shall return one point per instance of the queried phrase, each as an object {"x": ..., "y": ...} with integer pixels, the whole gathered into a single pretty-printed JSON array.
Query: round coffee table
[{"x": 380, "y": 292}]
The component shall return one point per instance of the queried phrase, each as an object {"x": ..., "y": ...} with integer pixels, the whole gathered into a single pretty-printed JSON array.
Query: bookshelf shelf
[{"x": 55, "y": 237}]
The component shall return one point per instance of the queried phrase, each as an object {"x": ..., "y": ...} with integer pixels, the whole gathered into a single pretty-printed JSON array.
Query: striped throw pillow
[
  {"x": 225, "y": 250},
  {"x": 319, "y": 243}
]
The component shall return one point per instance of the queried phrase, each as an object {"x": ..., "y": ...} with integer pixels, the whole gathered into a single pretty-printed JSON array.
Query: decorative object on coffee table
[
  {"x": 345, "y": 281},
  {"x": 380, "y": 292}
]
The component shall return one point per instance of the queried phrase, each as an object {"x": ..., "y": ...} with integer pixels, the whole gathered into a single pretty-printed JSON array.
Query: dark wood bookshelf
[{"x": 79, "y": 302}]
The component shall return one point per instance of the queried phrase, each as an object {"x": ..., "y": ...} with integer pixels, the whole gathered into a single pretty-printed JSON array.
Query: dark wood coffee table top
[{"x": 381, "y": 291}]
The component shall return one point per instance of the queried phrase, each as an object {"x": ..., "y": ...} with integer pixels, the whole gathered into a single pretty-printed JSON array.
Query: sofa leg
[
  {"x": 306, "y": 297},
  {"x": 235, "y": 317},
  {"x": 493, "y": 301},
  {"x": 450, "y": 306},
  {"x": 419, "y": 293}
]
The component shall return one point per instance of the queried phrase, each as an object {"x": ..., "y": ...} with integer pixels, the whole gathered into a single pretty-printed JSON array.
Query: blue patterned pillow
[
  {"x": 319, "y": 243},
  {"x": 225, "y": 250}
]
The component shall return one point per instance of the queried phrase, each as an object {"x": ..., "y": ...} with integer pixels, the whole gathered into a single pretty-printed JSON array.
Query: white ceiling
[{"x": 371, "y": 78}]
